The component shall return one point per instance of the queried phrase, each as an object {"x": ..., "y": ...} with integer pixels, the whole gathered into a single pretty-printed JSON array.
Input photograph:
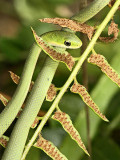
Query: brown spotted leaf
[
  {"x": 4, "y": 141},
  {"x": 3, "y": 100},
  {"x": 112, "y": 29},
  {"x": 64, "y": 57},
  {"x": 101, "y": 62},
  {"x": 36, "y": 121},
  {"x": 16, "y": 79},
  {"x": 49, "y": 148},
  {"x": 51, "y": 93},
  {"x": 66, "y": 122},
  {"x": 71, "y": 24},
  {"x": 81, "y": 90}
]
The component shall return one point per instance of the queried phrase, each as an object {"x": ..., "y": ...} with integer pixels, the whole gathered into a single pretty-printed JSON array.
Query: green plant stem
[
  {"x": 73, "y": 74},
  {"x": 90, "y": 9},
  {"x": 33, "y": 104},
  {"x": 9, "y": 113}
]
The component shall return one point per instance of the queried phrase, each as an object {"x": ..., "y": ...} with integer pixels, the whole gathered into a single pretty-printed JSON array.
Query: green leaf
[
  {"x": 105, "y": 149},
  {"x": 10, "y": 49}
]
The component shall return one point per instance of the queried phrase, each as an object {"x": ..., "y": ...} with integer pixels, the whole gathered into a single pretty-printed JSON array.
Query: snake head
[{"x": 62, "y": 39}]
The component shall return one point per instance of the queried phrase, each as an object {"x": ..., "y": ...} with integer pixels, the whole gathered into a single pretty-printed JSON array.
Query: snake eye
[{"x": 67, "y": 43}]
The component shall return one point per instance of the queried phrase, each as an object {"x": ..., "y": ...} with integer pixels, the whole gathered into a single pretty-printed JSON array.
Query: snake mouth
[{"x": 76, "y": 47}]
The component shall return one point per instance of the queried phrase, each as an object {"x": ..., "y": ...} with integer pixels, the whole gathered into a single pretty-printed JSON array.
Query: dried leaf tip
[
  {"x": 4, "y": 141},
  {"x": 16, "y": 79},
  {"x": 64, "y": 119},
  {"x": 3, "y": 100},
  {"x": 81, "y": 90},
  {"x": 51, "y": 93},
  {"x": 36, "y": 121},
  {"x": 71, "y": 24},
  {"x": 49, "y": 148},
  {"x": 101, "y": 62},
  {"x": 112, "y": 29}
]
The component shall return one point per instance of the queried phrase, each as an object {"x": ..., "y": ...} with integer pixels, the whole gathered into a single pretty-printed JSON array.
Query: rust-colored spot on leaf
[
  {"x": 4, "y": 141},
  {"x": 49, "y": 149},
  {"x": 112, "y": 29},
  {"x": 16, "y": 79},
  {"x": 18, "y": 114},
  {"x": 71, "y": 24},
  {"x": 36, "y": 121},
  {"x": 4, "y": 100},
  {"x": 51, "y": 93},
  {"x": 101, "y": 62},
  {"x": 81, "y": 90},
  {"x": 64, "y": 119},
  {"x": 64, "y": 57}
]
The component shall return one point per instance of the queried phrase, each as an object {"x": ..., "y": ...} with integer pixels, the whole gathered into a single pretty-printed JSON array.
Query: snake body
[{"x": 13, "y": 107}]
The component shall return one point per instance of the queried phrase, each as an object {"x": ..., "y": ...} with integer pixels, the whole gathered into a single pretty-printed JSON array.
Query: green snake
[{"x": 59, "y": 40}]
